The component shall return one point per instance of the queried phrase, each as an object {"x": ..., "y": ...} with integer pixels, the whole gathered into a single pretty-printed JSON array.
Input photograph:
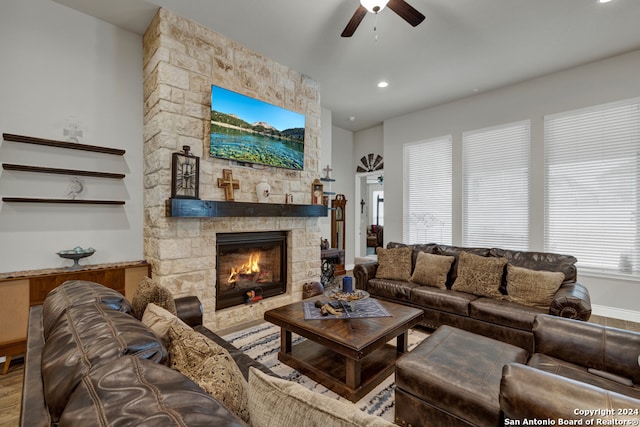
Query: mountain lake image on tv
[{"x": 252, "y": 131}]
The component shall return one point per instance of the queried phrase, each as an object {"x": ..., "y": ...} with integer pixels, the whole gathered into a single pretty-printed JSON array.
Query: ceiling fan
[{"x": 401, "y": 7}]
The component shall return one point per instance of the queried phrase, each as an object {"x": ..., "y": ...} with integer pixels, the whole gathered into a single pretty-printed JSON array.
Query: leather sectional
[{"x": 494, "y": 317}]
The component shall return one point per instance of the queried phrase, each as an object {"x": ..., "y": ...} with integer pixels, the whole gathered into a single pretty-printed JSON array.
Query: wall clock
[{"x": 185, "y": 173}]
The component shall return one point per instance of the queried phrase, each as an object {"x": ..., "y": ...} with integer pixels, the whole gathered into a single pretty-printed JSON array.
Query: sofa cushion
[
  {"x": 392, "y": 289},
  {"x": 159, "y": 320},
  {"x": 579, "y": 373},
  {"x": 480, "y": 275},
  {"x": 531, "y": 287},
  {"x": 542, "y": 261},
  {"x": 432, "y": 270},
  {"x": 274, "y": 402},
  {"x": 150, "y": 291},
  {"x": 211, "y": 367},
  {"x": 78, "y": 292},
  {"x": 442, "y": 299},
  {"x": 394, "y": 264},
  {"x": 134, "y": 392},
  {"x": 455, "y": 252},
  {"x": 86, "y": 337},
  {"x": 504, "y": 313}
]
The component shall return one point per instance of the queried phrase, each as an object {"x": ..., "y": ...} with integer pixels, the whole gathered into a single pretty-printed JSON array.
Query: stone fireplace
[
  {"x": 250, "y": 267},
  {"x": 182, "y": 59}
]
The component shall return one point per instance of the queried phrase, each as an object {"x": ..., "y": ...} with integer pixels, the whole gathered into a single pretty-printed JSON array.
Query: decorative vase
[{"x": 263, "y": 189}]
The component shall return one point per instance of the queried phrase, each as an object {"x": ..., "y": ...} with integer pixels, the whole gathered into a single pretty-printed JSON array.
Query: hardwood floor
[
  {"x": 11, "y": 394},
  {"x": 11, "y": 384}
]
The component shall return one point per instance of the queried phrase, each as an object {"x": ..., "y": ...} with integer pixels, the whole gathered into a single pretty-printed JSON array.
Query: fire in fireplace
[{"x": 250, "y": 267}]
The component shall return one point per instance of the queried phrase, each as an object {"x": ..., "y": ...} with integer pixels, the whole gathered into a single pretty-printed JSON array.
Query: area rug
[{"x": 262, "y": 343}]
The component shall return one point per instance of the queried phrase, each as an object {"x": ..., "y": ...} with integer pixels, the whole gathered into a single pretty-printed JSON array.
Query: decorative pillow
[
  {"x": 159, "y": 320},
  {"x": 531, "y": 287},
  {"x": 479, "y": 275},
  {"x": 211, "y": 367},
  {"x": 432, "y": 270},
  {"x": 150, "y": 291},
  {"x": 274, "y": 402},
  {"x": 394, "y": 264}
]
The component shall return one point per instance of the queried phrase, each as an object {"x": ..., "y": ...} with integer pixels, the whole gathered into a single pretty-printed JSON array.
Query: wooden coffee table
[{"x": 349, "y": 356}]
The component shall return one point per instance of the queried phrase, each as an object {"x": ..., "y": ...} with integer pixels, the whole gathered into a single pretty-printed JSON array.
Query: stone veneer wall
[{"x": 182, "y": 59}]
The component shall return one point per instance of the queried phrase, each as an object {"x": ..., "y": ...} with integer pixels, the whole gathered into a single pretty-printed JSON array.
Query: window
[
  {"x": 495, "y": 194},
  {"x": 428, "y": 191},
  {"x": 592, "y": 173}
]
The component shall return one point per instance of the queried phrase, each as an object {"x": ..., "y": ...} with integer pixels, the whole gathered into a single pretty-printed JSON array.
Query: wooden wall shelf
[
  {"x": 193, "y": 208},
  {"x": 65, "y": 201},
  {"x": 39, "y": 169},
  {"x": 62, "y": 144}
]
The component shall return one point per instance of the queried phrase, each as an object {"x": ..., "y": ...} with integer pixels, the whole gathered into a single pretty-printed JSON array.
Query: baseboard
[{"x": 616, "y": 313}]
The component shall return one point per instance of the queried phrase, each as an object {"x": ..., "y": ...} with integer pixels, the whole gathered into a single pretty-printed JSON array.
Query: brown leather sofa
[
  {"x": 578, "y": 371},
  {"x": 90, "y": 362},
  {"x": 495, "y": 318}
]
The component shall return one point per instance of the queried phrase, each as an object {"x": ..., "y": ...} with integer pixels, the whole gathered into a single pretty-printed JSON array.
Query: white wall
[
  {"x": 326, "y": 144},
  {"x": 597, "y": 83},
  {"x": 58, "y": 63},
  {"x": 343, "y": 172}
]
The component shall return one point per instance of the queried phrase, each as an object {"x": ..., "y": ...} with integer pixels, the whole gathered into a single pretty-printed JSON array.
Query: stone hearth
[{"x": 181, "y": 61}]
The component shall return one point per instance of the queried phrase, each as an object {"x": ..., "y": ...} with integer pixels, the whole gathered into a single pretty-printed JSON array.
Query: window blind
[
  {"x": 592, "y": 173},
  {"x": 427, "y": 195},
  {"x": 496, "y": 186}
]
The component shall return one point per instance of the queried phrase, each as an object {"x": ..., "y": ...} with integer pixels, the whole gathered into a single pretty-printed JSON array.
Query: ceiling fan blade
[
  {"x": 355, "y": 20},
  {"x": 406, "y": 11}
]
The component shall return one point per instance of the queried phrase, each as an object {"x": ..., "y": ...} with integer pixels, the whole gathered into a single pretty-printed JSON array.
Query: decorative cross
[
  {"x": 229, "y": 184},
  {"x": 327, "y": 171}
]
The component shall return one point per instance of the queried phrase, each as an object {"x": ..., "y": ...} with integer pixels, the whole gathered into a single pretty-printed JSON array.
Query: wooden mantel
[{"x": 193, "y": 208}]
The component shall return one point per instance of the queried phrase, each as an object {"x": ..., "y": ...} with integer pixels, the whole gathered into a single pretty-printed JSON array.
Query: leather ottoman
[{"x": 452, "y": 378}]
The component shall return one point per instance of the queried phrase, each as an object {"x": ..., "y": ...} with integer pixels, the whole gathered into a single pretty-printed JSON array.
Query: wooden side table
[{"x": 10, "y": 349}]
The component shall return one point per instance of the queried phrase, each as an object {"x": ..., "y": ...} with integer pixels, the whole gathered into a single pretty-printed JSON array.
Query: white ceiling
[{"x": 463, "y": 47}]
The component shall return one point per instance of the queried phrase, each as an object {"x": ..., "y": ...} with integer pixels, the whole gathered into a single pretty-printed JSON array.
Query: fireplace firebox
[{"x": 250, "y": 265}]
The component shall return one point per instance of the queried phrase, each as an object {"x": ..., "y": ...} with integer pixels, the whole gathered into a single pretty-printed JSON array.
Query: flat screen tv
[{"x": 252, "y": 131}]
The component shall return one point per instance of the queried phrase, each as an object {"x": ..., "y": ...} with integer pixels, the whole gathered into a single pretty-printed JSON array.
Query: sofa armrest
[
  {"x": 527, "y": 393},
  {"x": 33, "y": 410},
  {"x": 572, "y": 301},
  {"x": 363, "y": 272},
  {"x": 189, "y": 310},
  {"x": 588, "y": 345}
]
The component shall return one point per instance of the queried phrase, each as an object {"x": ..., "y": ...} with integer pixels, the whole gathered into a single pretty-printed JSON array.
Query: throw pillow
[
  {"x": 159, "y": 320},
  {"x": 432, "y": 270},
  {"x": 150, "y": 291},
  {"x": 394, "y": 264},
  {"x": 479, "y": 275},
  {"x": 275, "y": 402},
  {"x": 211, "y": 367},
  {"x": 531, "y": 287}
]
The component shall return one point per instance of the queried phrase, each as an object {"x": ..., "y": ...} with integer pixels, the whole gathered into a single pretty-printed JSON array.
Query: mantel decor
[
  {"x": 187, "y": 208},
  {"x": 229, "y": 184},
  {"x": 185, "y": 174}
]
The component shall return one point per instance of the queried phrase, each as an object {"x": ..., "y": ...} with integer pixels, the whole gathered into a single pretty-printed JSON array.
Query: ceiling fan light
[{"x": 374, "y": 6}]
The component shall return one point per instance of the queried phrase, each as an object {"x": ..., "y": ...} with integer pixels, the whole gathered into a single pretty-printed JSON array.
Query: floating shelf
[
  {"x": 62, "y": 144},
  {"x": 64, "y": 201},
  {"x": 39, "y": 169},
  {"x": 193, "y": 208}
]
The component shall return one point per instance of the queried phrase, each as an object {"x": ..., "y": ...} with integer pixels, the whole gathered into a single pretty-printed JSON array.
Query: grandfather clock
[{"x": 338, "y": 227}]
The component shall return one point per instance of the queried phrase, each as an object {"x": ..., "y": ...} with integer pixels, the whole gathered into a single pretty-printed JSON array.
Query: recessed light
[
  {"x": 604, "y": 1},
  {"x": 383, "y": 84}
]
